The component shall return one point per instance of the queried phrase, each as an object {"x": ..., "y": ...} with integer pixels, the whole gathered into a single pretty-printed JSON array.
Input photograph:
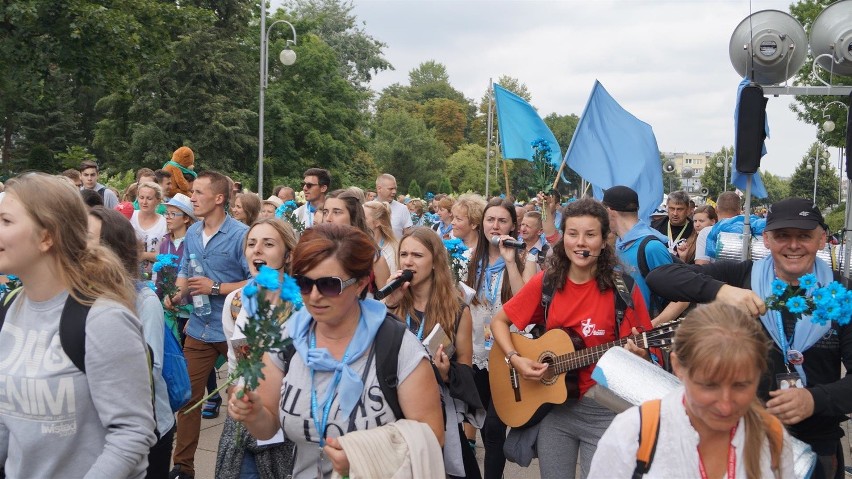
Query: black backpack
[
  {"x": 623, "y": 300},
  {"x": 658, "y": 303},
  {"x": 387, "y": 343}
]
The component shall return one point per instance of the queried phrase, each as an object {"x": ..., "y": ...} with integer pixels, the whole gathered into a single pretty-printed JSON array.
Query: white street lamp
[
  {"x": 287, "y": 57},
  {"x": 727, "y": 161}
]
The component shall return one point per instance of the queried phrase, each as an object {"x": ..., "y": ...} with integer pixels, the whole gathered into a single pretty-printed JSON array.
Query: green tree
[
  {"x": 404, "y": 145},
  {"x": 714, "y": 173},
  {"x": 563, "y": 127},
  {"x": 428, "y": 72},
  {"x": 802, "y": 181},
  {"x": 414, "y": 190},
  {"x": 466, "y": 168},
  {"x": 360, "y": 56},
  {"x": 813, "y": 109},
  {"x": 444, "y": 186},
  {"x": 448, "y": 119},
  {"x": 776, "y": 188}
]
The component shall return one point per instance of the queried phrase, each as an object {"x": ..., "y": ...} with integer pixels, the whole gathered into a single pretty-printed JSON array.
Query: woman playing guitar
[{"x": 583, "y": 278}]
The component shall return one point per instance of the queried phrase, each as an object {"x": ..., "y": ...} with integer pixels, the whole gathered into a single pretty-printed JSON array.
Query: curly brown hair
[{"x": 559, "y": 263}]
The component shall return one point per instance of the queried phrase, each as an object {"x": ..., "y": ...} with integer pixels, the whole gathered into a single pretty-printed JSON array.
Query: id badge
[{"x": 788, "y": 380}]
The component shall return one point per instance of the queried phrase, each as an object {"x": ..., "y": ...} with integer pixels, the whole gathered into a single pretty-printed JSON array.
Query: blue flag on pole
[
  {"x": 612, "y": 147},
  {"x": 758, "y": 190},
  {"x": 520, "y": 126}
]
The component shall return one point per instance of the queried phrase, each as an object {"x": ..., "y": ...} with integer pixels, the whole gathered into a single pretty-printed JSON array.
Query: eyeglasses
[
  {"x": 327, "y": 286},
  {"x": 174, "y": 214},
  {"x": 309, "y": 185}
]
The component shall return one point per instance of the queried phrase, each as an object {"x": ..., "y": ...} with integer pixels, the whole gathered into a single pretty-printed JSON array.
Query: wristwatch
[
  {"x": 509, "y": 356},
  {"x": 214, "y": 291}
]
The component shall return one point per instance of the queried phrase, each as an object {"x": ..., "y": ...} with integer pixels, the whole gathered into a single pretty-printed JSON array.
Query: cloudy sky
[{"x": 664, "y": 61}]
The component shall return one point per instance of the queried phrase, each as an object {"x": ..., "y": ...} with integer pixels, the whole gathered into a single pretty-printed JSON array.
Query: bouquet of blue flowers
[
  {"x": 166, "y": 269},
  {"x": 831, "y": 302},
  {"x": 458, "y": 261},
  {"x": 287, "y": 212},
  {"x": 262, "y": 330}
]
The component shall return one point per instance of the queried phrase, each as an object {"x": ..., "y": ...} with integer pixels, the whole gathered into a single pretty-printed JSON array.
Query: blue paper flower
[
  {"x": 819, "y": 295},
  {"x": 250, "y": 290},
  {"x": 835, "y": 289},
  {"x": 290, "y": 292},
  {"x": 808, "y": 281},
  {"x": 157, "y": 267},
  {"x": 819, "y": 317},
  {"x": 797, "y": 305},
  {"x": 778, "y": 287},
  {"x": 267, "y": 278}
]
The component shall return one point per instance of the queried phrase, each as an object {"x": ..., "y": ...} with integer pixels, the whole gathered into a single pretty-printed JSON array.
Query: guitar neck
[{"x": 586, "y": 357}]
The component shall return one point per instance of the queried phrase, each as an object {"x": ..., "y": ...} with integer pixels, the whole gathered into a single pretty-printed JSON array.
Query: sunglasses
[
  {"x": 327, "y": 286},
  {"x": 309, "y": 185}
]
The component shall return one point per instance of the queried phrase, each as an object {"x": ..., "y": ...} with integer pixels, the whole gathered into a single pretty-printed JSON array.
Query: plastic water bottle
[{"x": 200, "y": 302}]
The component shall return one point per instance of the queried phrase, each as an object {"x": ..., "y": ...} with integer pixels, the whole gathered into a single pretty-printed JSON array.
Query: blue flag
[
  {"x": 612, "y": 147},
  {"x": 520, "y": 126},
  {"x": 739, "y": 179}
]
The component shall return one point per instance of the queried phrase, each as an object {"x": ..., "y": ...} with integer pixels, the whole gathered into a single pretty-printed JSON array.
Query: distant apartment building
[{"x": 689, "y": 167}]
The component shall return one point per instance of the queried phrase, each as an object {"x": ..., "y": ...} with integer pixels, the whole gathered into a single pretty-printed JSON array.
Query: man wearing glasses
[{"x": 315, "y": 185}]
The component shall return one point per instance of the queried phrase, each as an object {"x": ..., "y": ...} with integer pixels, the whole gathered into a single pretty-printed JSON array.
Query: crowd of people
[{"x": 332, "y": 404}]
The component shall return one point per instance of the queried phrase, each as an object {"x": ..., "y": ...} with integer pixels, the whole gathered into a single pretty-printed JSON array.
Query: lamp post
[
  {"x": 287, "y": 57},
  {"x": 726, "y": 161},
  {"x": 826, "y": 155}
]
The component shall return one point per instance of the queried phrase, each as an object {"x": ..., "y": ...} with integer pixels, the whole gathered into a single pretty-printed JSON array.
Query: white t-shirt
[
  {"x": 400, "y": 218},
  {"x": 151, "y": 236},
  {"x": 389, "y": 253},
  {"x": 701, "y": 244},
  {"x": 370, "y": 412},
  {"x": 677, "y": 446}
]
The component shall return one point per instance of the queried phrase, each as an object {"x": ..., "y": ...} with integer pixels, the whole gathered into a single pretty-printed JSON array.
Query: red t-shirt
[{"x": 582, "y": 308}]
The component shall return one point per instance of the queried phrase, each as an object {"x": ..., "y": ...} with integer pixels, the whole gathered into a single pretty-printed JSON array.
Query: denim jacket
[{"x": 223, "y": 260}]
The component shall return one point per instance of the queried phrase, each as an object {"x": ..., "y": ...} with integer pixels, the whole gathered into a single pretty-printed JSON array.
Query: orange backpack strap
[
  {"x": 775, "y": 431},
  {"x": 649, "y": 429}
]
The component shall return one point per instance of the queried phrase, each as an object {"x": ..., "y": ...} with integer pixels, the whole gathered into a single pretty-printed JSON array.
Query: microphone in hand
[
  {"x": 508, "y": 242},
  {"x": 406, "y": 276}
]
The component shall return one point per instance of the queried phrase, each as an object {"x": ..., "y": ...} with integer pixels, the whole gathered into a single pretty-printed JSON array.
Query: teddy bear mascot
[{"x": 181, "y": 165}]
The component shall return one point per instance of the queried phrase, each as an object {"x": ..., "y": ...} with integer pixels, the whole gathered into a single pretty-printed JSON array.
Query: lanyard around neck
[
  {"x": 322, "y": 422},
  {"x": 732, "y": 458}
]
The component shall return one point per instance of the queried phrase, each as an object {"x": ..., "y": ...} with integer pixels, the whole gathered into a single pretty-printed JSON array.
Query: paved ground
[{"x": 211, "y": 429}]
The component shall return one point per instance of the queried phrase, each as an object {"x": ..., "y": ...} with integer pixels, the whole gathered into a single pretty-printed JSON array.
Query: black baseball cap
[
  {"x": 621, "y": 198},
  {"x": 797, "y": 213}
]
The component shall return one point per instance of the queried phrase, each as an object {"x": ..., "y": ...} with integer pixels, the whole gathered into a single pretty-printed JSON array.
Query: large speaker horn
[
  {"x": 831, "y": 34},
  {"x": 770, "y": 45},
  {"x": 705, "y": 191},
  {"x": 669, "y": 166}
]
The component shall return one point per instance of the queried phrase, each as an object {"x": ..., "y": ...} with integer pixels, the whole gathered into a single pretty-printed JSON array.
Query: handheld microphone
[
  {"x": 394, "y": 285},
  {"x": 509, "y": 243},
  {"x": 586, "y": 253}
]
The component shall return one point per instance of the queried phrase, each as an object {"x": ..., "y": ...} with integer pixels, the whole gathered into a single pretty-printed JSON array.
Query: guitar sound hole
[{"x": 549, "y": 376}]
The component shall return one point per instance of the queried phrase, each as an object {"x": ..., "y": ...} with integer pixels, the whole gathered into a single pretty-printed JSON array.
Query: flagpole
[
  {"x": 489, "y": 132},
  {"x": 506, "y": 177},
  {"x": 558, "y": 175},
  {"x": 746, "y": 221}
]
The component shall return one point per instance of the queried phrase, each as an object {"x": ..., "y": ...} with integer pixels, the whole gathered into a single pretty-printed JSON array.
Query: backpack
[
  {"x": 658, "y": 303},
  {"x": 623, "y": 300},
  {"x": 175, "y": 371},
  {"x": 387, "y": 343},
  {"x": 649, "y": 429}
]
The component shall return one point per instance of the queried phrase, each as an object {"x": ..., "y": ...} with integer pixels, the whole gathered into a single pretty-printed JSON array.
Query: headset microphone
[{"x": 586, "y": 253}]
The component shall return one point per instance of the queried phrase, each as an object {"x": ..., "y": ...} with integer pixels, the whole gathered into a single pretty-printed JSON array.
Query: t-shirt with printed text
[{"x": 582, "y": 308}]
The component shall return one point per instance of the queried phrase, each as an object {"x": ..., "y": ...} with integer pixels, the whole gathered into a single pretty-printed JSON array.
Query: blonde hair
[
  {"x": 87, "y": 272},
  {"x": 439, "y": 309},
  {"x": 380, "y": 212},
  {"x": 158, "y": 190},
  {"x": 473, "y": 206},
  {"x": 717, "y": 340},
  {"x": 284, "y": 230}
]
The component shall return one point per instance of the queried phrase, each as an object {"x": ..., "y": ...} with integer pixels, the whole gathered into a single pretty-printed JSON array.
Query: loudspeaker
[
  {"x": 768, "y": 47},
  {"x": 751, "y": 130},
  {"x": 669, "y": 166},
  {"x": 705, "y": 191},
  {"x": 831, "y": 34}
]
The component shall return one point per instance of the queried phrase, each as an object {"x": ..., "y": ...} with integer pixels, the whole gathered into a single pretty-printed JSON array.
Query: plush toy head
[{"x": 184, "y": 156}]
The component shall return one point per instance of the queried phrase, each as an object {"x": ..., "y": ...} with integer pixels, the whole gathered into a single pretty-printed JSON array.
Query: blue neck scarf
[
  {"x": 320, "y": 360},
  {"x": 805, "y": 333},
  {"x": 488, "y": 291}
]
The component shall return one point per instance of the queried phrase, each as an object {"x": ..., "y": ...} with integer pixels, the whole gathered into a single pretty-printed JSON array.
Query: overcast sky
[{"x": 664, "y": 61}]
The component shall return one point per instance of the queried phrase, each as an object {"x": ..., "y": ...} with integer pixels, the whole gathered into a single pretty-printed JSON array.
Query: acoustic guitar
[{"x": 521, "y": 402}]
